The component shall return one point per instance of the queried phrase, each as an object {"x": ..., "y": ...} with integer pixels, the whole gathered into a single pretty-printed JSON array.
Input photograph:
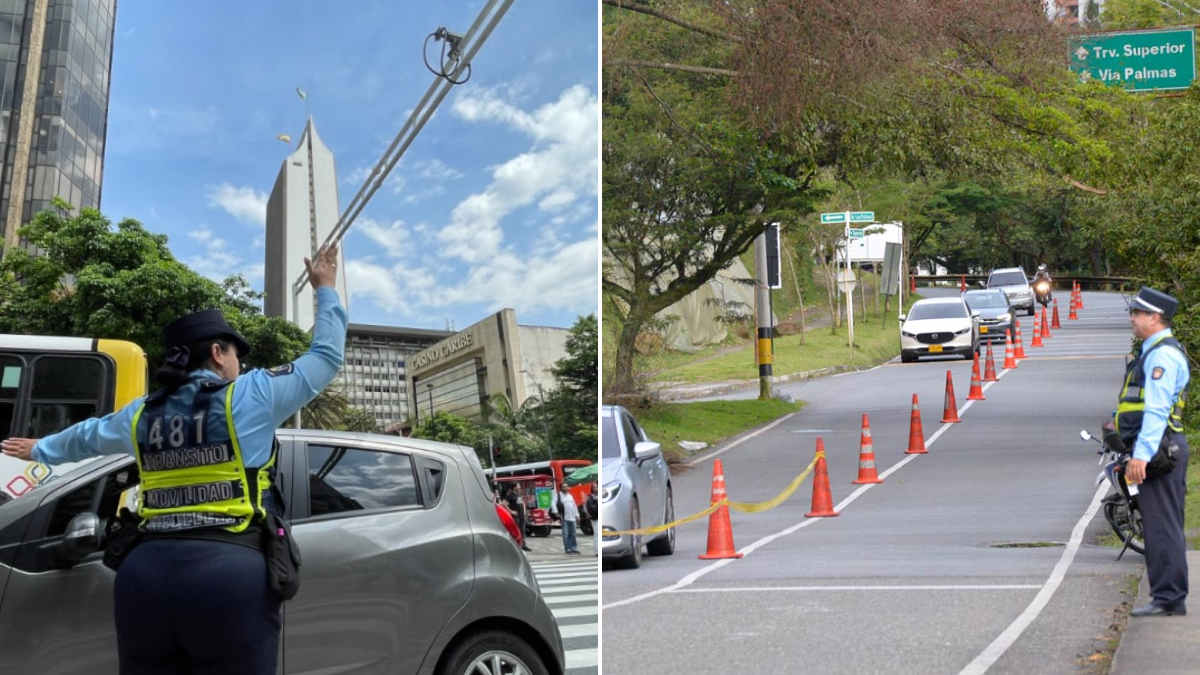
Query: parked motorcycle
[
  {"x": 1120, "y": 506},
  {"x": 1041, "y": 291}
]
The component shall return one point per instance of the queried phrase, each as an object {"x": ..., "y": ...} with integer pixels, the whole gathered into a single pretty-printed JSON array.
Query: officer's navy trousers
[
  {"x": 196, "y": 607},
  {"x": 1161, "y": 501}
]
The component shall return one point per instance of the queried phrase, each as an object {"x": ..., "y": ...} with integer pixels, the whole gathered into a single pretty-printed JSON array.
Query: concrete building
[
  {"x": 495, "y": 356},
  {"x": 55, "y": 63},
  {"x": 374, "y": 373},
  {"x": 1071, "y": 12},
  {"x": 301, "y": 212}
]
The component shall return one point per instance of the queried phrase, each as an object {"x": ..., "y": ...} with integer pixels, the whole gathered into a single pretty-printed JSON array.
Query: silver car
[
  {"x": 635, "y": 490},
  {"x": 407, "y": 568},
  {"x": 1015, "y": 284}
]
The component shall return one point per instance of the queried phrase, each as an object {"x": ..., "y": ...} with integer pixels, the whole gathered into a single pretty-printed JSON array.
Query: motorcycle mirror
[{"x": 1085, "y": 435}]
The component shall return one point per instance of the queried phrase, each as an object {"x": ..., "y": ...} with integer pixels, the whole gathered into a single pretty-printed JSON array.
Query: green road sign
[
  {"x": 856, "y": 232},
  {"x": 1144, "y": 60},
  {"x": 855, "y": 217}
]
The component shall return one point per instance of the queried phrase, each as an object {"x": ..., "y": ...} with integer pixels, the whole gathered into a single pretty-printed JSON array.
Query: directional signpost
[
  {"x": 1144, "y": 60},
  {"x": 849, "y": 217}
]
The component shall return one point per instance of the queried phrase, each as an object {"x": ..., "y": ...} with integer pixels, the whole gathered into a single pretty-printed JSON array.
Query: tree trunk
[{"x": 623, "y": 377}]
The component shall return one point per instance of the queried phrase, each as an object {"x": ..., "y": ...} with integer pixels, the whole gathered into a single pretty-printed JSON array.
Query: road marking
[
  {"x": 552, "y": 599},
  {"x": 579, "y": 630},
  {"x": 582, "y": 658},
  {"x": 772, "y": 425},
  {"x": 769, "y": 589},
  {"x": 712, "y": 567},
  {"x": 994, "y": 651}
]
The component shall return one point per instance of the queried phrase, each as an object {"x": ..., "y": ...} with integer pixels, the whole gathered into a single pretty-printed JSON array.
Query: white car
[{"x": 939, "y": 327}]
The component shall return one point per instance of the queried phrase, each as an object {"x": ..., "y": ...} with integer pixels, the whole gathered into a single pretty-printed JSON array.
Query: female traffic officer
[{"x": 193, "y": 596}]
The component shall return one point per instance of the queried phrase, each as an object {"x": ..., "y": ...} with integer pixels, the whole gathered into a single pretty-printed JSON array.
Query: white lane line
[
  {"x": 568, "y": 612},
  {"x": 552, "y": 599},
  {"x": 806, "y": 589},
  {"x": 583, "y": 658},
  {"x": 579, "y": 630},
  {"x": 739, "y": 441},
  {"x": 994, "y": 651},
  {"x": 712, "y": 567}
]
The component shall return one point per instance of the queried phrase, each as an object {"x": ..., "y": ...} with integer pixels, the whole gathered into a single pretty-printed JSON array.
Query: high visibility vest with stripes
[
  {"x": 1132, "y": 403},
  {"x": 190, "y": 461}
]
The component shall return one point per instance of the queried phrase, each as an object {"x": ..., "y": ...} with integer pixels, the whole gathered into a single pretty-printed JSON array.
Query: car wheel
[
  {"x": 541, "y": 531},
  {"x": 1032, "y": 311},
  {"x": 665, "y": 545},
  {"x": 633, "y": 559},
  {"x": 492, "y": 653},
  {"x": 906, "y": 358}
]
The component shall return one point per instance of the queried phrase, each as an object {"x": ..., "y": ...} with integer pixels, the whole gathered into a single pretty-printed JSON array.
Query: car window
[
  {"x": 345, "y": 478},
  {"x": 985, "y": 300},
  {"x": 938, "y": 310},
  {"x": 1008, "y": 279},
  {"x": 80, "y": 500},
  {"x": 609, "y": 446},
  {"x": 633, "y": 435}
]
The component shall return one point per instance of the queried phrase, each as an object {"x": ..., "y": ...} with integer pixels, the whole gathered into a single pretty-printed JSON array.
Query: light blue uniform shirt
[
  {"x": 262, "y": 399},
  {"x": 1161, "y": 394}
]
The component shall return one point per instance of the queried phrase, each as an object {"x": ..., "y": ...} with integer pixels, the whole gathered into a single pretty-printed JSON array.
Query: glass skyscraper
[{"x": 55, "y": 66}]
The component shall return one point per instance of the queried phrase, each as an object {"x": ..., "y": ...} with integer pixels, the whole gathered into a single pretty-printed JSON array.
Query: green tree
[
  {"x": 93, "y": 279},
  {"x": 573, "y": 404}
]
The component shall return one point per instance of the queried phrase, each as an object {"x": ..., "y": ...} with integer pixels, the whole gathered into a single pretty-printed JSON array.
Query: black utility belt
[{"x": 251, "y": 537}]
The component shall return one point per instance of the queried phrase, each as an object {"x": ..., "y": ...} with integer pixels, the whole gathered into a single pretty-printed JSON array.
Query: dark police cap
[
  {"x": 1150, "y": 300},
  {"x": 209, "y": 323}
]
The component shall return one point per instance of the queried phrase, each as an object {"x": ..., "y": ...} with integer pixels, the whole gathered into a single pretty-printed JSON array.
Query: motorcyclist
[{"x": 1040, "y": 275}]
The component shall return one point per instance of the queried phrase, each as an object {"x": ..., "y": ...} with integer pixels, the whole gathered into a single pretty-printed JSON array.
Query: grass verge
[
  {"x": 707, "y": 421},
  {"x": 877, "y": 339},
  {"x": 1191, "y": 507}
]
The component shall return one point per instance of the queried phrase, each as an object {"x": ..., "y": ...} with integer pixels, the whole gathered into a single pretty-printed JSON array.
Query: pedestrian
[
  {"x": 1149, "y": 420},
  {"x": 516, "y": 504},
  {"x": 193, "y": 595},
  {"x": 569, "y": 513},
  {"x": 593, "y": 511}
]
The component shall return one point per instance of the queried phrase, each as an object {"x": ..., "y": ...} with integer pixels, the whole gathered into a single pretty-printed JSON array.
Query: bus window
[
  {"x": 67, "y": 389},
  {"x": 10, "y": 382}
]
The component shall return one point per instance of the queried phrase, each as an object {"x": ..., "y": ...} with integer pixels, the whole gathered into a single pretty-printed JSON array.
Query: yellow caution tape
[{"x": 736, "y": 506}]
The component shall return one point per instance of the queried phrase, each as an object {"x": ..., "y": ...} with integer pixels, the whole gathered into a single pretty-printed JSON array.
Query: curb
[{"x": 689, "y": 392}]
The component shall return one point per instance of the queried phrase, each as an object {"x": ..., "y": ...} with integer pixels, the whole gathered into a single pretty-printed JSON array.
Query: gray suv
[
  {"x": 407, "y": 568},
  {"x": 1015, "y": 284},
  {"x": 635, "y": 490}
]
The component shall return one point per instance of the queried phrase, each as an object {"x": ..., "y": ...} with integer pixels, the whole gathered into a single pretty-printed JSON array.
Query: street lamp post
[{"x": 429, "y": 388}]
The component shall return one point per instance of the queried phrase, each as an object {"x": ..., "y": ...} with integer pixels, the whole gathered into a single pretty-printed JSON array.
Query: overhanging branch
[
  {"x": 644, "y": 9},
  {"x": 674, "y": 66}
]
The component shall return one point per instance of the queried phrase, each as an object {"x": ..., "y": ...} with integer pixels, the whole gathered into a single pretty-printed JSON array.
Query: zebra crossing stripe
[
  {"x": 565, "y": 599},
  {"x": 579, "y": 630}
]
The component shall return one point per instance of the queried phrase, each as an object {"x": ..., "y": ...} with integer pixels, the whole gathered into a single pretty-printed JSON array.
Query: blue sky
[{"x": 493, "y": 205}]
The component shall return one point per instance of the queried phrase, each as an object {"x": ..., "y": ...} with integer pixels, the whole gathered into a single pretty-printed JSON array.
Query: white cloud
[
  {"x": 435, "y": 169},
  {"x": 396, "y": 289},
  {"x": 244, "y": 203},
  {"x": 215, "y": 262},
  {"x": 562, "y": 167},
  {"x": 394, "y": 237},
  {"x": 565, "y": 279}
]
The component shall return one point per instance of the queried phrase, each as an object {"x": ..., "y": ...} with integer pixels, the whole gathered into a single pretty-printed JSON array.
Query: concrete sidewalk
[
  {"x": 550, "y": 549},
  {"x": 1162, "y": 645}
]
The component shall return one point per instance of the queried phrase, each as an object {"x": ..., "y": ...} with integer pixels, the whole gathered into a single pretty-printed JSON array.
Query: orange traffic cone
[
  {"x": 1037, "y": 330},
  {"x": 1009, "y": 360},
  {"x": 1078, "y": 296},
  {"x": 950, "y": 409},
  {"x": 1072, "y": 315},
  {"x": 1018, "y": 348},
  {"x": 1055, "y": 324},
  {"x": 822, "y": 501},
  {"x": 720, "y": 532},
  {"x": 916, "y": 435},
  {"x": 866, "y": 457},
  {"x": 989, "y": 371},
  {"x": 1046, "y": 323},
  {"x": 962, "y": 286},
  {"x": 912, "y": 283},
  {"x": 976, "y": 393}
]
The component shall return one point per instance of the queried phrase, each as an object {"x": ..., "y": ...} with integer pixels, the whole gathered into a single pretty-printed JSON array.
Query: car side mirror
[
  {"x": 81, "y": 540},
  {"x": 975, "y": 314},
  {"x": 646, "y": 450},
  {"x": 903, "y": 317}
]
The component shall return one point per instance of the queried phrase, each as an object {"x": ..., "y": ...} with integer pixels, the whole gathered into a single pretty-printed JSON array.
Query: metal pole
[
  {"x": 762, "y": 304},
  {"x": 429, "y": 388},
  {"x": 545, "y": 425}
]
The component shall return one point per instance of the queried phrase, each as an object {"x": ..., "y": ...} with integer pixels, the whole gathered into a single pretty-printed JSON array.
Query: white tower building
[{"x": 301, "y": 212}]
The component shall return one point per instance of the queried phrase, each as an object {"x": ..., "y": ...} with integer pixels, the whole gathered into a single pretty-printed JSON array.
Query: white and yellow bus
[{"x": 48, "y": 383}]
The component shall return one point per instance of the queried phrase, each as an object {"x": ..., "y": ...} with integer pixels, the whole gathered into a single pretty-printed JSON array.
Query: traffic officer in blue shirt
[
  {"x": 1149, "y": 419},
  {"x": 193, "y": 596}
]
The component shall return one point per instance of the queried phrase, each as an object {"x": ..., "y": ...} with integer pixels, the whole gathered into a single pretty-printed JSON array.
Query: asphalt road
[{"x": 978, "y": 557}]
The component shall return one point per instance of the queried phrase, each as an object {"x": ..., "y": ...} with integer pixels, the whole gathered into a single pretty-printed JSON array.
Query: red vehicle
[
  {"x": 558, "y": 469},
  {"x": 538, "y": 495}
]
